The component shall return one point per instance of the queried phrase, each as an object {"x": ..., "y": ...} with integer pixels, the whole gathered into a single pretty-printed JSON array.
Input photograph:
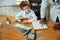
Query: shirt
[{"x": 23, "y": 14}]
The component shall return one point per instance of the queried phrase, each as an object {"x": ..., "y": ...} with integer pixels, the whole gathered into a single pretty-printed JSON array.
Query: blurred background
[{"x": 11, "y": 7}]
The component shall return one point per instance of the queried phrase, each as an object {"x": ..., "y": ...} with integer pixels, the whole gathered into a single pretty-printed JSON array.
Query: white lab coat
[
  {"x": 22, "y": 14},
  {"x": 54, "y": 9}
]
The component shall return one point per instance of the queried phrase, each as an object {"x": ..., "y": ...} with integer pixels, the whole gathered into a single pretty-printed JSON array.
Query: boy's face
[{"x": 26, "y": 9}]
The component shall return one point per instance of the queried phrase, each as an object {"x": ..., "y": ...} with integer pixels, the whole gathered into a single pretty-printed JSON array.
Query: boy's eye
[{"x": 26, "y": 8}]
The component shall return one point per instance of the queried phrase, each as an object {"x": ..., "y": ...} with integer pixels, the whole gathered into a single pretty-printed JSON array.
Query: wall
[
  {"x": 9, "y": 10},
  {"x": 7, "y": 2}
]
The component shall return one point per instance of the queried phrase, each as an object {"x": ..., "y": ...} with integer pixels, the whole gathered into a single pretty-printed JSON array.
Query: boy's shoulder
[{"x": 32, "y": 10}]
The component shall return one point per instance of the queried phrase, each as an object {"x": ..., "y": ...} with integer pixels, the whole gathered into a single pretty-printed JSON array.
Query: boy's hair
[{"x": 23, "y": 4}]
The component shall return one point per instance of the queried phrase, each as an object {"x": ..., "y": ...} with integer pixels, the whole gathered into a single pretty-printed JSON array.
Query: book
[
  {"x": 23, "y": 29},
  {"x": 37, "y": 25}
]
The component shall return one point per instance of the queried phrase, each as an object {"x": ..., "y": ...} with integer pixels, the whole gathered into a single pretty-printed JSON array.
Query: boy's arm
[
  {"x": 34, "y": 17},
  {"x": 18, "y": 16}
]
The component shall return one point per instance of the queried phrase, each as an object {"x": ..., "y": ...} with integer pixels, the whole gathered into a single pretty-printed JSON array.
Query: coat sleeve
[
  {"x": 18, "y": 16},
  {"x": 34, "y": 17},
  {"x": 44, "y": 5}
]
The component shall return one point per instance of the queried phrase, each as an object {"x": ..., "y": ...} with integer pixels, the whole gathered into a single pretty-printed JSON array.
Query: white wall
[
  {"x": 7, "y": 2},
  {"x": 7, "y": 9},
  {"x": 11, "y": 11}
]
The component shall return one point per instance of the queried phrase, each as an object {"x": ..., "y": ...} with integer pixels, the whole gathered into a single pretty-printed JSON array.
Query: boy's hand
[
  {"x": 17, "y": 20},
  {"x": 26, "y": 21},
  {"x": 25, "y": 18}
]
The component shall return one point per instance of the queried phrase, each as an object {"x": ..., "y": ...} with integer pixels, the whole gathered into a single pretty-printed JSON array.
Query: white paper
[
  {"x": 23, "y": 26},
  {"x": 37, "y": 25}
]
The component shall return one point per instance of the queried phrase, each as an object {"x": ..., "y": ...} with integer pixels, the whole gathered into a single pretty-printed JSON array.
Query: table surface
[{"x": 6, "y": 33}]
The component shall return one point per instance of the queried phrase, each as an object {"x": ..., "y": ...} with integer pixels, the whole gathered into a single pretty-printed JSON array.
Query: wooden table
[
  {"x": 7, "y": 33},
  {"x": 48, "y": 34}
]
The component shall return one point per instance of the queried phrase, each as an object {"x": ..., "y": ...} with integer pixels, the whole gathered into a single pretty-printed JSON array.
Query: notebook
[
  {"x": 37, "y": 25},
  {"x": 23, "y": 29}
]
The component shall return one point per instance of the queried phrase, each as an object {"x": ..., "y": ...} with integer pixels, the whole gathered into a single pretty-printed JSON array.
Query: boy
[{"x": 26, "y": 13}]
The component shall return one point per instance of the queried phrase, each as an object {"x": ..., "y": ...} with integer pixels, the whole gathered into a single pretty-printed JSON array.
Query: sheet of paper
[
  {"x": 37, "y": 25},
  {"x": 23, "y": 26},
  {"x": 23, "y": 29}
]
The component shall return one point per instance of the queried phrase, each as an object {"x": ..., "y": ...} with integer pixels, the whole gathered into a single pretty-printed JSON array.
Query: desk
[
  {"x": 46, "y": 34},
  {"x": 8, "y": 32}
]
